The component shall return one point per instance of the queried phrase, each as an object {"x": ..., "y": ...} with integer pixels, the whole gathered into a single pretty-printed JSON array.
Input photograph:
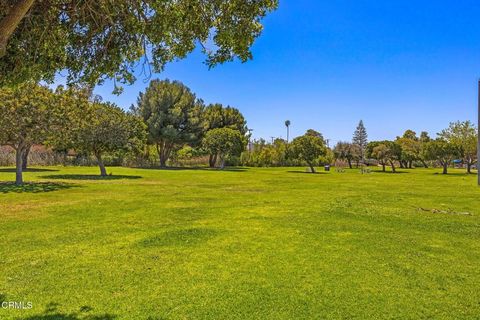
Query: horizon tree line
[{"x": 170, "y": 118}]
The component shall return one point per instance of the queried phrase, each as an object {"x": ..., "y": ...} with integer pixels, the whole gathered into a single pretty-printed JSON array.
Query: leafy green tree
[
  {"x": 172, "y": 114},
  {"x": 314, "y": 133},
  {"x": 217, "y": 116},
  {"x": 463, "y": 135},
  {"x": 328, "y": 158},
  {"x": 75, "y": 103},
  {"x": 360, "y": 138},
  {"x": 410, "y": 134},
  {"x": 93, "y": 40},
  {"x": 424, "y": 137},
  {"x": 29, "y": 115},
  {"x": 423, "y": 140},
  {"x": 385, "y": 152},
  {"x": 107, "y": 129},
  {"x": 308, "y": 148},
  {"x": 347, "y": 152},
  {"x": 380, "y": 153},
  {"x": 442, "y": 151},
  {"x": 263, "y": 154},
  {"x": 411, "y": 148},
  {"x": 225, "y": 142}
]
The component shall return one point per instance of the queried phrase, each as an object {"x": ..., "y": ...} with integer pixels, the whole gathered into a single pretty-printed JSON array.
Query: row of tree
[
  {"x": 167, "y": 116},
  {"x": 457, "y": 142}
]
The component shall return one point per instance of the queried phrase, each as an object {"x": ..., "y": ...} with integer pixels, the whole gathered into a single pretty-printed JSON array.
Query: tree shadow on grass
[
  {"x": 455, "y": 174},
  {"x": 88, "y": 177},
  {"x": 389, "y": 172},
  {"x": 33, "y": 187},
  {"x": 227, "y": 169},
  {"x": 12, "y": 170},
  {"x": 306, "y": 172},
  {"x": 51, "y": 313}
]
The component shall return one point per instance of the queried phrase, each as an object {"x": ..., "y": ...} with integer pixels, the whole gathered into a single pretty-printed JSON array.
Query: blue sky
[{"x": 327, "y": 64}]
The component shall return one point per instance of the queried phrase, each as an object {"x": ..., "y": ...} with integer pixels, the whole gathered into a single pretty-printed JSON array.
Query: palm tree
[{"x": 287, "y": 124}]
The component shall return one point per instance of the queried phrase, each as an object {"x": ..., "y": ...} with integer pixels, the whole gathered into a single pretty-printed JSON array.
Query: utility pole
[{"x": 478, "y": 140}]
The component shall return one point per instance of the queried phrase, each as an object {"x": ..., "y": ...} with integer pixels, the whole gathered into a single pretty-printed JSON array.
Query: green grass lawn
[{"x": 240, "y": 244}]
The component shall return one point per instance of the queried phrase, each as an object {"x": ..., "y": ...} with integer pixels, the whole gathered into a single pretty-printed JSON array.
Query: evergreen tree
[{"x": 360, "y": 138}]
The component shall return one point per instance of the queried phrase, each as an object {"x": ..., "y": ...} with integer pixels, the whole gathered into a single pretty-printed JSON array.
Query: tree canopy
[
  {"x": 464, "y": 136},
  {"x": 411, "y": 148},
  {"x": 442, "y": 151},
  {"x": 224, "y": 142},
  {"x": 108, "y": 129},
  {"x": 386, "y": 152},
  {"x": 92, "y": 40},
  {"x": 217, "y": 116},
  {"x": 308, "y": 148},
  {"x": 29, "y": 114},
  {"x": 348, "y": 152},
  {"x": 360, "y": 138},
  {"x": 172, "y": 114}
]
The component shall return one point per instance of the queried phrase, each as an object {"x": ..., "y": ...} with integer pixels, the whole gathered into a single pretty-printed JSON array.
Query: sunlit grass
[{"x": 245, "y": 243}]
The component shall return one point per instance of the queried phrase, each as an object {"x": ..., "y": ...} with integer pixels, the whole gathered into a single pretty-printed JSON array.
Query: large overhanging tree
[{"x": 92, "y": 40}]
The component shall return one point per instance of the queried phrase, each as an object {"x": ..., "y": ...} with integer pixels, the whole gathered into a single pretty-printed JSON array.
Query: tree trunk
[
  {"x": 18, "y": 166},
  {"x": 25, "y": 158},
  {"x": 424, "y": 163},
  {"x": 163, "y": 160},
  {"x": 164, "y": 149},
  {"x": 392, "y": 164},
  {"x": 222, "y": 161},
  {"x": 469, "y": 167},
  {"x": 103, "y": 171},
  {"x": 161, "y": 150},
  {"x": 312, "y": 169},
  {"x": 349, "y": 163},
  {"x": 383, "y": 167},
  {"x": 212, "y": 160},
  {"x": 402, "y": 164},
  {"x": 410, "y": 164},
  {"x": 445, "y": 167},
  {"x": 10, "y": 22}
]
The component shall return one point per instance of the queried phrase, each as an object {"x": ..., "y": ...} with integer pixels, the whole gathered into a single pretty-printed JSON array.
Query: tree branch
[{"x": 11, "y": 21}]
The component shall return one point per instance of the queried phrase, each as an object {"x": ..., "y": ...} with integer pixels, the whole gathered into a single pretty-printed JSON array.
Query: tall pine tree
[{"x": 360, "y": 138}]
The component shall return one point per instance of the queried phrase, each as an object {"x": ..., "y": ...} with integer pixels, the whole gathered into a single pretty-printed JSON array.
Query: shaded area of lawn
[
  {"x": 85, "y": 313},
  {"x": 88, "y": 177},
  {"x": 226, "y": 169},
  {"x": 307, "y": 172},
  {"x": 13, "y": 170},
  {"x": 34, "y": 187}
]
